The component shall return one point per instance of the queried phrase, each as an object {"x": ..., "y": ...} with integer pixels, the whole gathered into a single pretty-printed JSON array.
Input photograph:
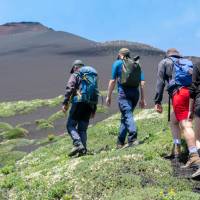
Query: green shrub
[
  {"x": 43, "y": 124},
  {"x": 51, "y": 137},
  {"x": 5, "y": 126},
  {"x": 14, "y": 133},
  {"x": 7, "y": 169}
]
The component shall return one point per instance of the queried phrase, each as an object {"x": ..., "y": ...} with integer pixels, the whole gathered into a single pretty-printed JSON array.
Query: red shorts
[{"x": 180, "y": 103}]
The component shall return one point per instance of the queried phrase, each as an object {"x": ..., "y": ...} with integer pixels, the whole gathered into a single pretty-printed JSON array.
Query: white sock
[
  {"x": 177, "y": 141},
  {"x": 192, "y": 150}
]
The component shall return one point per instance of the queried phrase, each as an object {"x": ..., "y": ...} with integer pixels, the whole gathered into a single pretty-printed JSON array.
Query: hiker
[
  {"x": 82, "y": 91},
  {"x": 194, "y": 106},
  {"x": 128, "y": 75},
  {"x": 177, "y": 72}
]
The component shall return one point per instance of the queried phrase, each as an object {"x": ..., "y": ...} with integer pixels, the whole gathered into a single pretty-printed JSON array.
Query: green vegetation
[
  {"x": 49, "y": 123},
  {"x": 137, "y": 173},
  {"x": 102, "y": 109},
  {"x": 8, "y": 154},
  {"x": 9, "y": 132},
  {"x": 105, "y": 92},
  {"x": 11, "y": 137},
  {"x": 8, "y": 109}
]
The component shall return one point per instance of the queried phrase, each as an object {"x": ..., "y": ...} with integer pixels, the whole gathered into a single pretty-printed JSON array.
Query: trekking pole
[{"x": 169, "y": 108}]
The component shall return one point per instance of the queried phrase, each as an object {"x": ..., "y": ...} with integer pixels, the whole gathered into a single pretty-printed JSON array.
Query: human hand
[
  {"x": 142, "y": 103},
  {"x": 159, "y": 108},
  {"x": 92, "y": 115},
  {"x": 65, "y": 108},
  {"x": 108, "y": 101},
  {"x": 190, "y": 115}
]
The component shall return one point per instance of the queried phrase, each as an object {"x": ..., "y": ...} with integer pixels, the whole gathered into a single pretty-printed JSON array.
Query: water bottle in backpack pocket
[
  {"x": 88, "y": 90},
  {"x": 181, "y": 74}
]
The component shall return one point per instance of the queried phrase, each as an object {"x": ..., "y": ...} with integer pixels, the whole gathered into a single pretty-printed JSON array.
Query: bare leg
[
  {"x": 188, "y": 133},
  {"x": 197, "y": 131},
  {"x": 175, "y": 128},
  {"x": 176, "y": 134}
]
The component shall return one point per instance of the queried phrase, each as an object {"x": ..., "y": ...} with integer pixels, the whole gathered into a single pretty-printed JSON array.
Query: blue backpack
[
  {"x": 181, "y": 74},
  {"x": 88, "y": 90}
]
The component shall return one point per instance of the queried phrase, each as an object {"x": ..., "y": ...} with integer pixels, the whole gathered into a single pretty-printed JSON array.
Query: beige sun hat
[
  {"x": 172, "y": 52},
  {"x": 124, "y": 51}
]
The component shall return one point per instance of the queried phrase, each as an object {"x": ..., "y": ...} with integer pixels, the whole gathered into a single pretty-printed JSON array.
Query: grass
[
  {"x": 9, "y": 132},
  {"x": 49, "y": 123},
  {"x": 138, "y": 173},
  {"x": 8, "y": 109},
  {"x": 8, "y": 154}
]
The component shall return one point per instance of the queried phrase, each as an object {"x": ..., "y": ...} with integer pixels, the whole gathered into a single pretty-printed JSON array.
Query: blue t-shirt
[{"x": 122, "y": 91}]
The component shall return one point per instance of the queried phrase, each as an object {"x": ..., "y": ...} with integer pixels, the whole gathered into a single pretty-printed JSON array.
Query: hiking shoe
[
  {"x": 131, "y": 144},
  {"x": 119, "y": 146},
  {"x": 82, "y": 152},
  {"x": 77, "y": 149},
  {"x": 197, "y": 173},
  {"x": 175, "y": 153},
  {"x": 193, "y": 161},
  {"x": 176, "y": 150}
]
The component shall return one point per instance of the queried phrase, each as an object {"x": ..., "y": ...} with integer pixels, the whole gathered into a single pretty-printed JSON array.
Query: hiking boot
[
  {"x": 175, "y": 153},
  {"x": 193, "y": 161},
  {"x": 76, "y": 149},
  {"x": 131, "y": 144},
  {"x": 119, "y": 146},
  {"x": 82, "y": 152},
  {"x": 197, "y": 173}
]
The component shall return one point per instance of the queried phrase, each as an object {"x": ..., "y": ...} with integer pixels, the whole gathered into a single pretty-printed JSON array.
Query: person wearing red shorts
[{"x": 180, "y": 102}]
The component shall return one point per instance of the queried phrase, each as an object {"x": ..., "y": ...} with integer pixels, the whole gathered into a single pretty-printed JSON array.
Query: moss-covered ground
[{"x": 136, "y": 173}]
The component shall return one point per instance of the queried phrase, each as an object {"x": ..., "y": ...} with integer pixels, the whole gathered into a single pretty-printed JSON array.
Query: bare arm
[
  {"x": 142, "y": 96},
  {"x": 111, "y": 87},
  {"x": 142, "y": 84},
  {"x": 191, "y": 109}
]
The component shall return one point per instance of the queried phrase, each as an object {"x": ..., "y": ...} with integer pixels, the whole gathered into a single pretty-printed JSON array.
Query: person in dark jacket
[
  {"x": 194, "y": 108},
  {"x": 179, "y": 116},
  {"x": 79, "y": 114}
]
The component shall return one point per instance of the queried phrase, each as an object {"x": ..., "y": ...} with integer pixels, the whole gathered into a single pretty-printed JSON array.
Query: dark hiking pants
[
  {"x": 127, "y": 104},
  {"x": 78, "y": 122}
]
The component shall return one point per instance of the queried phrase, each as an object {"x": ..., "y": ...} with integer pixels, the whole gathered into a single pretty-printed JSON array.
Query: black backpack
[{"x": 131, "y": 73}]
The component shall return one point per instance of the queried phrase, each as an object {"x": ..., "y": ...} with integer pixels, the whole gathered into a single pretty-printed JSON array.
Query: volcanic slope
[{"x": 35, "y": 60}]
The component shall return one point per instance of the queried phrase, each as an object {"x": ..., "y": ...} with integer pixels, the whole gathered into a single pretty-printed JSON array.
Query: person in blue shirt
[{"x": 128, "y": 98}]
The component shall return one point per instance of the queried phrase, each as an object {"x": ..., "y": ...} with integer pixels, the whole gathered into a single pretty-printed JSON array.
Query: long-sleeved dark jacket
[
  {"x": 195, "y": 87},
  {"x": 165, "y": 68},
  {"x": 72, "y": 87}
]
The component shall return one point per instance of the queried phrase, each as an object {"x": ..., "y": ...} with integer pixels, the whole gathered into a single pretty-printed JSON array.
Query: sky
[{"x": 159, "y": 23}]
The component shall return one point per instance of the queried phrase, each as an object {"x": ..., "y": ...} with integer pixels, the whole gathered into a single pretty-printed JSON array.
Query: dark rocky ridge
[{"x": 20, "y": 27}]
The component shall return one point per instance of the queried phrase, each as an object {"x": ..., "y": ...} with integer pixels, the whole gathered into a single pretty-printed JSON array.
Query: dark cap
[
  {"x": 173, "y": 52},
  {"x": 78, "y": 63}
]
